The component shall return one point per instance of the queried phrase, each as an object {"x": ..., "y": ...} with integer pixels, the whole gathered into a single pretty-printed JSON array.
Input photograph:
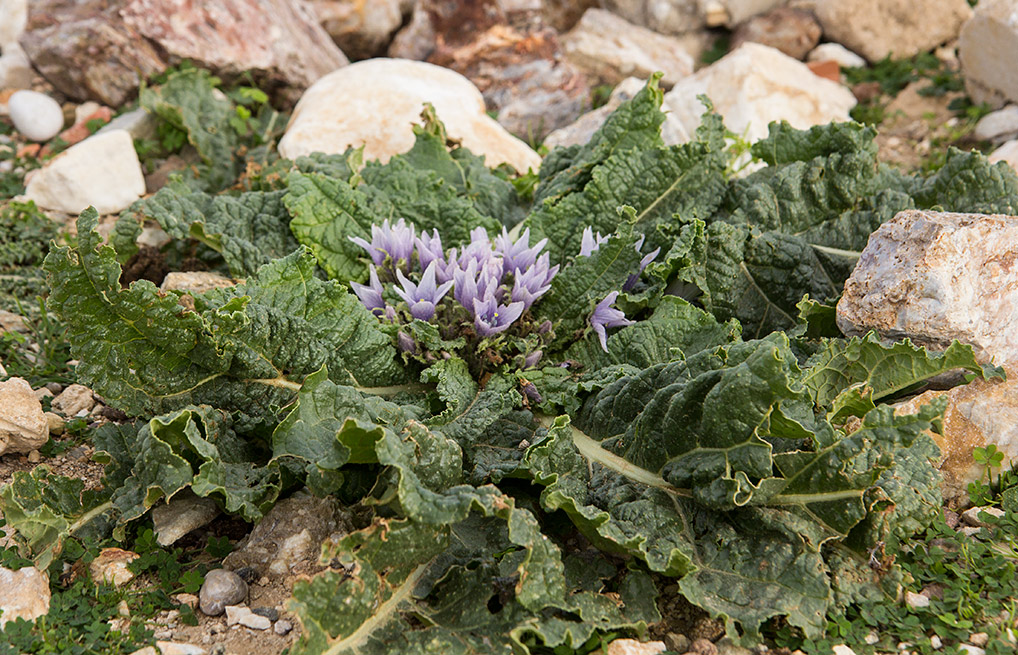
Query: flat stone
[
  {"x": 836, "y": 52},
  {"x": 986, "y": 46},
  {"x": 36, "y": 116},
  {"x": 290, "y": 536},
  {"x": 23, "y": 425},
  {"x": 182, "y": 514},
  {"x": 282, "y": 628},
  {"x": 842, "y": 649},
  {"x": 902, "y": 28},
  {"x": 612, "y": 49},
  {"x": 102, "y": 171},
  {"x": 360, "y": 29},
  {"x": 11, "y": 322},
  {"x": 935, "y": 277},
  {"x": 794, "y": 32},
  {"x": 731, "y": 13},
  {"x": 375, "y": 103},
  {"x": 755, "y": 85},
  {"x": 971, "y": 517},
  {"x": 186, "y": 599},
  {"x": 110, "y": 566},
  {"x": 194, "y": 281},
  {"x": 26, "y": 594},
  {"x": 220, "y": 589},
  {"x": 75, "y": 398},
  {"x": 998, "y": 126},
  {"x": 242, "y": 615},
  {"x": 634, "y": 647},
  {"x": 969, "y": 649}
]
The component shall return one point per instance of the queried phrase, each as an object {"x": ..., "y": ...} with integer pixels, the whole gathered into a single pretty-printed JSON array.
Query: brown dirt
[{"x": 915, "y": 125}]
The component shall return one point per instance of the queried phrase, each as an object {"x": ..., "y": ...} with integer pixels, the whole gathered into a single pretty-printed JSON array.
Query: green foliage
[{"x": 25, "y": 236}]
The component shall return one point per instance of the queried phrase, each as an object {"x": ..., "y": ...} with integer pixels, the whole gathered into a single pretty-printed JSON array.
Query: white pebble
[{"x": 35, "y": 115}]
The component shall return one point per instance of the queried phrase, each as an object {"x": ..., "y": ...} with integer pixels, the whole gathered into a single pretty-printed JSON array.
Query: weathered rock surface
[
  {"x": 138, "y": 123},
  {"x": 998, "y": 126},
  {"x": 15, "y": 69},
  {"x": 836, "y": 52},
  {"x": 102, "y": 49},
  {"x": 389, "y": 96},
  {"x": 182, "y": 514},
  {"x": 987, "y": 48},
  {"x": 241, "y": 614},
  {"x": 634, "y": 647},
  {"x": 15, "y": 14},
  {"x": 360, "y": 29},
  {"x": 611, "y": 49},
  {"x": 74, "y": 399},
  {"x": 194, "y": 281},
  {"x": 663, "y": 16},
  {"x": 935, "y": 277},
  {"x": 755, "y": 85},
  {"x": 23, "y": 426},
  {"x": 102, "y": 171},
  {"x": 581, "y": 130},
  {"x": 877, "y": 28},
  {"x": 25, "y": 594},
  {"x": 978, "y": 413},
  {"x": 792, "y": 31},
  {"x": 289, "y": 537},
  {"x": 110, "y": 566},
  {"x": 220, "y": 589},
  {"x": 35, "y": 115}
]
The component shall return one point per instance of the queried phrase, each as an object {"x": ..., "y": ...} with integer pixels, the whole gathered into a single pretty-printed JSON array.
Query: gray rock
[
  {"x": 25, "y": 594},
  {"x": 73, "y": 399},
  {"x": 971, "y": 517},
  {"x": 220, "y": 589},
  {"x": 612, "y": 49},
  {"x": 290, "y": 536},
  {"x": 877, "y": 28},
  {"x": 35, "y": 115},
  {"x": 23, "y": 425},
  {"x": 271, "y": 613},
  {"x": 282, "y": 628},
  {"x": 182, "y": 514},
  {"x": 998, "y": 126},
  {"x": 138, "y": 123},
  {"x": 986, "y": 47},
  {"x": 935, "y": 277}
]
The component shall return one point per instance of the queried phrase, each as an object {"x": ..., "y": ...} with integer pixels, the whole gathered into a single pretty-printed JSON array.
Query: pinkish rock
[
  {"x": 103, "y": 49},
  {"x": 792, "y": 31}
]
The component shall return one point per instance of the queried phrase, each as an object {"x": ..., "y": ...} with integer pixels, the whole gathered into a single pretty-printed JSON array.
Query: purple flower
[
  {"x": 371, "y": 293},
  {"x": 491, "y": 318},
  {"x": 406, "y": 343},
  {"x": 606, "y": 317},
  {"x": 647, "y": 259},
  {"x": 422, "y": 298},
  {"x": 396, "y": 241},
  {"x": 589, "y": 244},
  {"x": 479, "y": 248},
  {"x": 531, "y": 360},
  {"x": 533, "y": 282},
  {"x": 473, "y": 283},
  {"x": 518, "y": 256},
  {"x": 429, "y": 249}
]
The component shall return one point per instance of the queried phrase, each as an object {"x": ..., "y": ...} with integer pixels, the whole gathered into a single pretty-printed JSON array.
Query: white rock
[
  {"x": 375, "y": 103},
  {"x": 663, "y": 16},
  {"x": 23, "y": 425},
  {"x": 138, "y": 122},
  {"x": 969, "y": 649},
  {"x": 737, "y": 11},
  {"x": 73, "y": 399},
  {"x": 15, "y": 69},
  {"x": 35, "y": 115},
  {"x": 836, "y": 52},
  {"x": 153, "y": 237},
  {"x": 871, "y": 638},
  {"x": 174, "y": 648},
  {"x": 936, "y": 643},
  {"x": 971, "y": 517},
  {"x": 102, "y": 171},
  {"x": 634, "y": 647},
  {"x": 194, "y": 281},
  {"x": 877, "y": 28},
  {"x": 25, "y": 594},
  {"x": 755, "y": 85},
  {"x": 987, "y": 46},
  {"x": 979, "y": 639},
  {"x": 915, "y": 600},
  {"x": 241, "y": 614},
  {"x": 15, "y": 15},
  {"x": 935, "y": 277},
  {"x": 1007, "y": 153},
  {"x": 182, "y": 514},
  {"x": 1000, "y": 125},
  {"x": 612, "y": 49}
]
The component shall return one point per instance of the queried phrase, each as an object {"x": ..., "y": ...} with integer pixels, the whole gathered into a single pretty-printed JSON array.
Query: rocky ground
[{"x": 512, "y": 79}]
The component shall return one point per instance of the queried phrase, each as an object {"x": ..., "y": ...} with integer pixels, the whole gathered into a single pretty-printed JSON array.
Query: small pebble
[
  {"x": 34, "y": 456},
  {"x": 55, "y": 387},
  {"x": 703, "y": 647},
  {"x": 915, "y": 600},
  {"x": 936, "y": 643},
  {"x": 221, "y": 588},
  {"x": 979, "y": 639},
  {"x": 268, "y": 612},
  {"x": 43, "y": 393},
  {"x": 56, "y": 423},
  {"x": 35, "y": 115},
  {"x": 283, "y": 628}
]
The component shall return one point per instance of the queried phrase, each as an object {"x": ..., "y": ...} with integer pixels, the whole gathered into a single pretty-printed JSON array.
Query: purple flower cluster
[{"x": 495, "y": 282}]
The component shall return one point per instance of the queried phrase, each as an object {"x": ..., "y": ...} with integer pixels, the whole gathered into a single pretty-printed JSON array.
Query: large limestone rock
[
  {"x": 877, "y": 28},
  {"x": 978, "y": 414},
  {"x": 374, "y": 103},
  {"x": 102, "y": 171},
  {"x": 612, "y": 49},
  {"x": 755, "y": 85},
  {"x": 102, "y": 49},
  {"x": 935, "y": 277},
  {"x": 361, "y": 29},
  {"x": 23, "y": 426},
  {"x": 987, "y": 48},
  {"x": 25, "y": 594}
]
